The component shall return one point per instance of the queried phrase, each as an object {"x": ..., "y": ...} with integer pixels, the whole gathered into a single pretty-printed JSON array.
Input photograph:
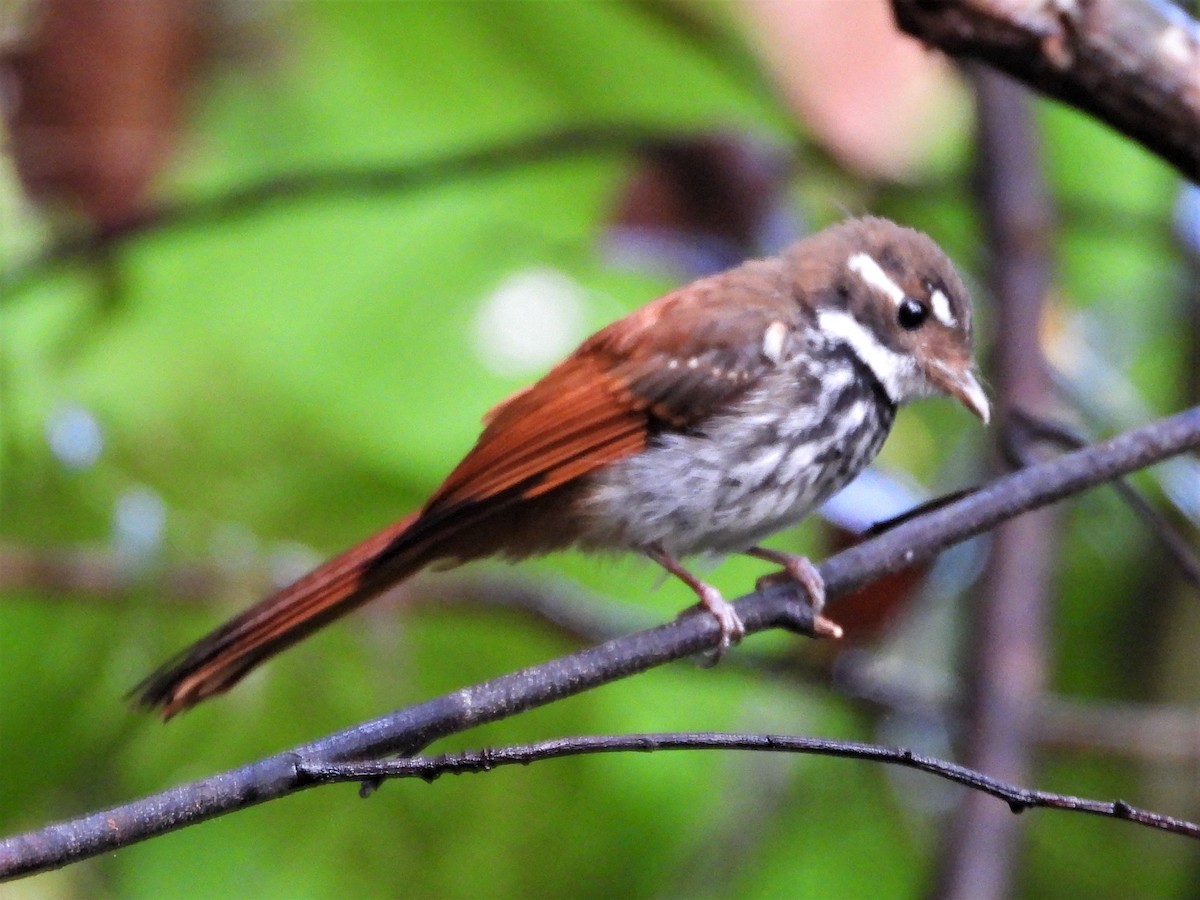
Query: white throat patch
[{"x": 897, "y": 372}]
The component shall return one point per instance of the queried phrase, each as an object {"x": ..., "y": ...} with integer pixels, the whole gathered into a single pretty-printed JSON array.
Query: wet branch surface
[{"x": 779, "y": 605}]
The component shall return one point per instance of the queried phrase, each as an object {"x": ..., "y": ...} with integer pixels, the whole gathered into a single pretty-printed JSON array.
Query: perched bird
[{"x": 704, "y": 421}]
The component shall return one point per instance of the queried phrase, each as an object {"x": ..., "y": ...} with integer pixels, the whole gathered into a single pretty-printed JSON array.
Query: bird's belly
[{"x": 760, "y": 468}]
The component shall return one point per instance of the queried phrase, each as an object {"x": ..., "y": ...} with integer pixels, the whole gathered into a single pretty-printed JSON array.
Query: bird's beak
[{"x": 965, "y": 387}]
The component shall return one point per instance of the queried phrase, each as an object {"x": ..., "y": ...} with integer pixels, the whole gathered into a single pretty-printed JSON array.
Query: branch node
[
  {"x": 1018, "y": 805},
  {"x": 369, "y": 786}
]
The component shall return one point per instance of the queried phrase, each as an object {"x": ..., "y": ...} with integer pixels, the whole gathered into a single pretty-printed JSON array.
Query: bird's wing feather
[{"x": 649, "y": 370}]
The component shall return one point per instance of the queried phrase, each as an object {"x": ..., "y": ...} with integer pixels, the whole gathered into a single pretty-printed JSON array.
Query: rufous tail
[{"x": 217, "y": 661}]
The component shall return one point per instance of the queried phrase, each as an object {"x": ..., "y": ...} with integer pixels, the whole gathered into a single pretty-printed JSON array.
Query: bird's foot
[
  {"x": 733, "y": 629},
  {"x": 798, "y": 568}
]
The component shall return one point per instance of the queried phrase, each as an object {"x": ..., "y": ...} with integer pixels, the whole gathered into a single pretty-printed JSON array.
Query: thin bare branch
[{"x": 1019, "y": 799}]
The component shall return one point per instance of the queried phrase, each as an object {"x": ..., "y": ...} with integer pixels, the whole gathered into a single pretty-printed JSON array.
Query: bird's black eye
[{"x": 912, "y": 314}]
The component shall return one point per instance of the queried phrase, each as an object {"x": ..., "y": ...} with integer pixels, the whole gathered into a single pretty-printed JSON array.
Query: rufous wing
[{"x": 668, "y": 365}]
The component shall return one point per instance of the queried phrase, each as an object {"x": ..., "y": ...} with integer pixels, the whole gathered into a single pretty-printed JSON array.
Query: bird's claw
[{"x": 799, "y": 569}]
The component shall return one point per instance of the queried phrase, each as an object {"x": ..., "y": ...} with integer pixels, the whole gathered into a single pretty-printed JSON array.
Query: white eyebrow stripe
[
  {"x": 865, "y": 267},
  {"x": 941, "y": 308}
]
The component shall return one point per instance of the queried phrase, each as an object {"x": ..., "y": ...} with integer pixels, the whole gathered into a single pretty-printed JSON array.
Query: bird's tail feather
[{"x": 217, "y": 661}]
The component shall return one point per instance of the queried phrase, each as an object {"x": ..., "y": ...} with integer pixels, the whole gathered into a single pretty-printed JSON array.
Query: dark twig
[
  {"x": 1160, "y": 734},
  {"x": 408, "y": 730},
  {"x": 1133, "y": 64},
  {"x": 1164, "y": 734},
  {"x": 430, "y": 768},
  {"x": 916, "y": 512},
  {"x": 1026, "y": 430},
  {"x": 365, "y": 181},
  {"x": 63, "y": 573},
  {"x": 95, "y": 573}
]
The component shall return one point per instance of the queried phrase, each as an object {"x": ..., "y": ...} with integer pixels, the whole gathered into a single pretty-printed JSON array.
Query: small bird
[{"x": 705, "y": 421}]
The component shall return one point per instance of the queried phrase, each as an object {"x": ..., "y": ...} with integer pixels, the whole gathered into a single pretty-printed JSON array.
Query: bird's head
[{"x": 893, "y": 297}]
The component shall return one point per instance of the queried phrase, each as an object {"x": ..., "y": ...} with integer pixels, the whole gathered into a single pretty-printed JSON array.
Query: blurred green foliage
[{"x": 303, "y": 371}]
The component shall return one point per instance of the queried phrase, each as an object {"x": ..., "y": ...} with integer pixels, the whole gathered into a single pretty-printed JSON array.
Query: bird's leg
[
  {"x": 798, "y": 568},
  {"x": 732, "y": 628}
]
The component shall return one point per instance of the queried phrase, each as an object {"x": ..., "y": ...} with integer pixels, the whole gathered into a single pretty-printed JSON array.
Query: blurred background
[{"x": 265, "y": 266}]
